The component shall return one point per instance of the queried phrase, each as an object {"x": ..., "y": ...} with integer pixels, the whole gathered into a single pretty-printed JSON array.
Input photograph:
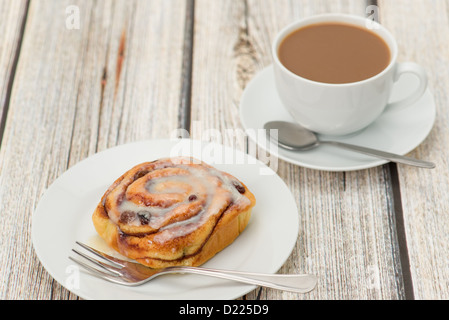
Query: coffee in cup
[{"x": 332, "y": 52}]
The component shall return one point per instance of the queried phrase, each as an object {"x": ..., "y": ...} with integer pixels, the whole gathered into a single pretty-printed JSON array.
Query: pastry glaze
[{"x": 173, "y": 211}]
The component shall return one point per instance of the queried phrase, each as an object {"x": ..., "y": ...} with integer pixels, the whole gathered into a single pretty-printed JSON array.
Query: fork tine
[
  {"x": 102, "y": 255},
  {"x": 103, "y": 265},
  {"x": 99, "y": 273}
]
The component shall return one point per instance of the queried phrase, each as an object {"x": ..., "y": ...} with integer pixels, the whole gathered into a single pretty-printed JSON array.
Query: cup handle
[{"x": 416, "y": 69}]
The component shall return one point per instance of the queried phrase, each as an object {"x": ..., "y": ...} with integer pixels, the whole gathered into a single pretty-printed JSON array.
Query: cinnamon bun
[{"x": 173, "y": 211}]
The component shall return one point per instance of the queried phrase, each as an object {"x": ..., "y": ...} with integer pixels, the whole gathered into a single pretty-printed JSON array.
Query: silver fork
[{"x": 134, "y": 274}]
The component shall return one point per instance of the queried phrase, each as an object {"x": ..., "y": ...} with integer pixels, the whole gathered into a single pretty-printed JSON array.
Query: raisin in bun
[{"x": 174, "y": 211}]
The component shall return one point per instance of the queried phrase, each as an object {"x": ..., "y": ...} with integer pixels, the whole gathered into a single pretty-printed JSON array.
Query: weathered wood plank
[
  {"x": 347, "y": 228},
  {"x": 12, "y": 17},
  {"x": 77, "y": 91},
  {"x": 421, "y": 30}
]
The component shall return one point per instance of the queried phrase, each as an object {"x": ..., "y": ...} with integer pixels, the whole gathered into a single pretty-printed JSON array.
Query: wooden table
[{"x": 136, "y": 70}]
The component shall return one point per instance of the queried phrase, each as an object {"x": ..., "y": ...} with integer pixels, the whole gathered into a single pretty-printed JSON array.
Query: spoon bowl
[{"x": 293, "y": 137}]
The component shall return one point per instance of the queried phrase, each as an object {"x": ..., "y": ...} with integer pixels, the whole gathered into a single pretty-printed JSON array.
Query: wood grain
[
  {"x": 78, "y": 91},
  {"x": 12, "y": 16},
  {"x": 421, "y": 31},
  {"x": 347, "y": 226}
]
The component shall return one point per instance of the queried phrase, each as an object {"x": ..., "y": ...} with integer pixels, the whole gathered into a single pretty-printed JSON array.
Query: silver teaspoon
[{"x": 293, "y": 137}]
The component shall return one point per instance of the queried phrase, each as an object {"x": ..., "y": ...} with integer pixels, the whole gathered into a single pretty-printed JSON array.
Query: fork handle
[{"x": 301, "y": 283}]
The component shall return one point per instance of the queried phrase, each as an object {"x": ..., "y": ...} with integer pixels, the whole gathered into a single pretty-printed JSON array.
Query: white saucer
[{"x": 398, "y": 131}]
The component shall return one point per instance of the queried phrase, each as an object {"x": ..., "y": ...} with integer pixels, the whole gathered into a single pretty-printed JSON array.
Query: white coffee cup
[{"x": 341, "y": 109}]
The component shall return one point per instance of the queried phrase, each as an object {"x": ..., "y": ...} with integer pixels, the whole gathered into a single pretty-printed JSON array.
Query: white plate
[
  {"x": 395, "y": 131},
  {"x": 63, "y": 215}
]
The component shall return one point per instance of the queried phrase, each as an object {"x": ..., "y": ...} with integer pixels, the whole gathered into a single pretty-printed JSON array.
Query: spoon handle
[{"x": 383, "y": 155}]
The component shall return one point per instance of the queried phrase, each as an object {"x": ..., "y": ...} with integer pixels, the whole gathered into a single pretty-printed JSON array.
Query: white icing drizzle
[{"x": 211, "y": 190}]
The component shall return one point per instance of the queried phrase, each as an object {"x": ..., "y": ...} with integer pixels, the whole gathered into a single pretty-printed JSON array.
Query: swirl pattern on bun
[{"x": 173, "y": 211}]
